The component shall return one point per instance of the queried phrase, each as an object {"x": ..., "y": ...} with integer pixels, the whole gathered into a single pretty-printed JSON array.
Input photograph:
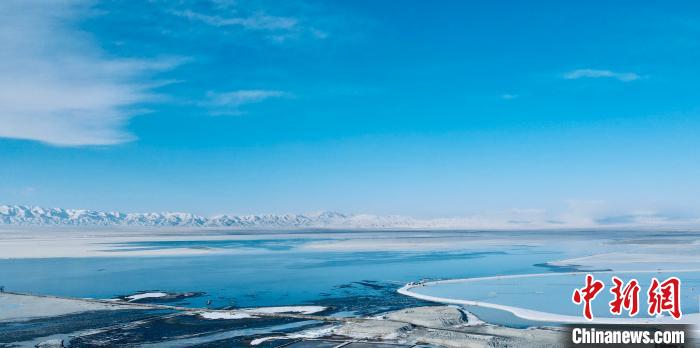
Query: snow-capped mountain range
[
  {"x": 30, "y": 215},
  {"x": 21, "y": 215}
]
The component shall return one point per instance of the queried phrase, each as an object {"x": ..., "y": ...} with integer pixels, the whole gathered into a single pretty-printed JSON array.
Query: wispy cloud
[
  {"x": 257, "y": 21},
  {"x": 277, "y": 24},
  {"x": 508, "y": 96},
  {"x": 57, "y": 87},
  {"x": 593, "y": 73},
  {"x": 230, "y": 102}
]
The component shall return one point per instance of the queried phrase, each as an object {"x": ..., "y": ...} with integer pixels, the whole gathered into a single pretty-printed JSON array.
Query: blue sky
[{"x": 561, "y": 110}]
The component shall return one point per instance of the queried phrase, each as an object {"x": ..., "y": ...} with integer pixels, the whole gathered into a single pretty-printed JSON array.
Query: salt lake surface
[
  {"x": 252, "y": 269},
  {"x": 546, "y": 292},
  {"x": 270, "y": 272}
]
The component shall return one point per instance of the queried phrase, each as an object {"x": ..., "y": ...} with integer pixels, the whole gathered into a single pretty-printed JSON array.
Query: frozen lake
[
  {"x": 258, "y": 268},
  {"x": 260, "y": 272},
  {"x": 551, "y": 293}
]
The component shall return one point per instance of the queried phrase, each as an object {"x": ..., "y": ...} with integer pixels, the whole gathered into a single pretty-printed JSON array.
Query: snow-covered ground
[
  {"x": 223, "y": 315},
  {"x": 250, "y": 312},
  {"x": 21, "y": 308},
  {"x": 287, "y": 309},
  {"x": 444, "y": 326},
  {"x": 146, "y": 295}
]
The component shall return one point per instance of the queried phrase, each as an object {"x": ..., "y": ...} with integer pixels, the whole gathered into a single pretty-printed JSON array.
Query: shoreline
[
  {"x": 447, "y": 326},
  {"x": 540, "y": 316}
]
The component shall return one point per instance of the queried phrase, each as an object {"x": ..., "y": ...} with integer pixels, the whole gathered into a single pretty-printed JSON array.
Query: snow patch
[
  {"x": 224, "y": 315},
  {"x": 260, "y": 340},
  {"x": 145, "y": 295},
  {"x": 287, "y": 309}
]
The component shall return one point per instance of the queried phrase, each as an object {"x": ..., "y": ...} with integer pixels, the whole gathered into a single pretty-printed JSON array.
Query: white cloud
[
  {"x": 57, "y": 87},
  {"x": 593, "y": 73},
  {"x": 241, "y": 97},
  {"x": 296, "y": 21},
  {"x": 509, "y": 96},
  {"x": 257, "y": 21},
  {"x": 229, "y": 102}
]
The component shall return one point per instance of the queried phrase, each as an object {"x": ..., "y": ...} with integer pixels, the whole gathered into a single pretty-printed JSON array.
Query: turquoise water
[
  {"x": 267, "y": 270},
  {"x": 277, "y": 274}
]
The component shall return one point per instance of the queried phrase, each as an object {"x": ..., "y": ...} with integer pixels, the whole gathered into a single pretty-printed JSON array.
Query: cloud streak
[
  {"x": 593, "y": 73},
  {"x": 57, "y": 87},
  {"x": 230, "y": 102},
  {"x": 255, "y": 22},
  {"x": 295, "y": 22},
  {"x": 241, "y": 97}
]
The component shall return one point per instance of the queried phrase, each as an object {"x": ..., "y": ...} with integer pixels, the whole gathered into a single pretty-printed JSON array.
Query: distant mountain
[{"x": 29, "y": 215}]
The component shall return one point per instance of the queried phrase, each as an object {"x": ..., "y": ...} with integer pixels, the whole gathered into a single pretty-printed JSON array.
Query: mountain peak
[{"x": 31, "y": 215}]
